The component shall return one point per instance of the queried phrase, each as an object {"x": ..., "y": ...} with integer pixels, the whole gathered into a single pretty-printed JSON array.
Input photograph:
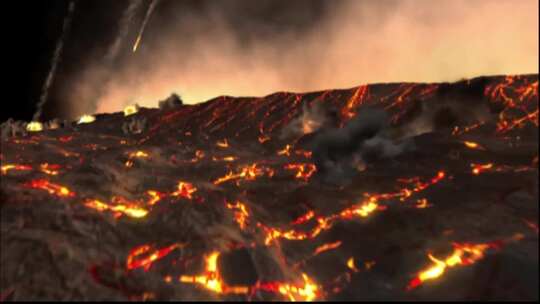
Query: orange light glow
[
  {"x": 150, "y": 258},
  {"x": 8, "y": 167},
  {"x": 241, "y": 213},
  {"x": 303, "y": 171},
  {"x": 185, "y": 190},
  {"x": 52, "y": 188}
]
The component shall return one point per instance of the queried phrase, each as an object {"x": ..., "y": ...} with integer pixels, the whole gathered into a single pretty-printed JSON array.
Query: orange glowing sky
[{"x": 361, "y": 42}]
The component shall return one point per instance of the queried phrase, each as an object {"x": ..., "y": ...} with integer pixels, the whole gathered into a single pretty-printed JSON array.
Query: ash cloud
[
  {"x": 242, "y": 48},
  {"x": 339, "y": 153}
]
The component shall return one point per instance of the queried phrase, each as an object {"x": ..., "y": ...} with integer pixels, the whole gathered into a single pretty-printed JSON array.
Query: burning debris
[{"x": 165, "y": 215}]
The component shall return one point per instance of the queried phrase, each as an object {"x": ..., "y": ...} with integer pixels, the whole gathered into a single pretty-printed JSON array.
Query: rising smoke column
[
  {"x": 146, "y": 18},
  {"x": 56, "y": 59}
]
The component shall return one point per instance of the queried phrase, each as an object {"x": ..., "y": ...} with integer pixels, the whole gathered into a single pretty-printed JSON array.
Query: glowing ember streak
[
  {"x": 358, "y": 97},
  {"x": 211, "y": 279},
  {"x": 463, "y": 255},
  {"x": 326, "y": 247},
  {"x": 532, "y": 225},
  {"x": 477, "y": 168},
  {"x": 350, "y": 264},
  {"x": 6, "y": 168},
  {"x": 185, "y": 190},
  {"x": 225, "y": 158},
  {"x": 129, "y": 163},
  {"x": 466, "y": 129},
  {"x": 131, "y": 109},
  {"x": 285, "y": 151},
  {"x": 241, "y": 214},
  {"x": 131, "y": 211},
  {"x": 86, "y": 119},
  {"x": 364, "y": 210},
  {"x": 473, "y": 145},
  {"x": 304, "y": 171},
  {"x": 307, "y": 292},
  {"x": 249, "y": 172},
  {"x": 223, "y": 144},
  {"x": 304, "y": 218},
  {"x": 146, "y": 262},
  {"x": 52, "y": 188},
  {"x": 138, "y": 154},
  {"x": 49, "y": 169},
  {"x": 263, "y": 138},
  {"x": 155, "y": 197},
  {"x": 306, "y": 154},
  {"x": 422, "y": 203},
  {"x": 34, "y": 126}
]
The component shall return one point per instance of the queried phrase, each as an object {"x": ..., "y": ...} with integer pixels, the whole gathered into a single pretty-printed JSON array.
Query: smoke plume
[
  {"x": 54, "y": 64},
  {"x": 213, "y": 50}
]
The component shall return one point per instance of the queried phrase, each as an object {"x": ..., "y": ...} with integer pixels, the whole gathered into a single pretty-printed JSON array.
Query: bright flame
[
  {"x": 86, "y": 119},
  {"x": 185, "y": 190},
  {"x": 131, "y": 109},
  {"x": 146, "y": 262},
  {"x": 34, "y": 126},
  {"x": 6, "y": 168}
]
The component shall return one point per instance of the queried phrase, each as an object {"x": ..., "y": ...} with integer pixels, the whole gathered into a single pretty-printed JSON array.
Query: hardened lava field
[{"x": 284, "y": 197}]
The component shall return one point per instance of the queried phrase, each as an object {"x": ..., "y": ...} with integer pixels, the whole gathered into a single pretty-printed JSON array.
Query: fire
[
  {"x": 146, "y": 262},
  {"x": 463, "y": 255},
  {"x": 155, "y": 197},
  {"x": 52, "y": 188},
  {"x": 478, "y": 168},
  {"x": 225, "y": 158},
  {"x": 359, "y": 96},
  {"x": 364, "y": 210},
  {"x": 138, "y": 154},
  {"x": 49, "y": 169},
  {"x": 285, "y": 151},
  {"x": 185, "y": 190},
  {"x": 473, "y": 145},
  {"x": 304, "y": 218},
  {"x": 222, "y": 144},
  {"x": 241, "y": 214},
  {"x": 351, "y": 265},
  {"x": 6, "y": 168},
  {"x": 304, "y": 171},
  {"x": 249, "y": 172},
  {"x": 211, "y": 279},
  {"x": 263, "y": 138},
  {"x": 34, "y": 126},
  {"x": 422, "y": 203},
  {"x": 326, "y": 247},
  {"x": 129, "y": 210},
  {"x": 131, "y": 109},
  {"x": 308, "y": 291},
  {"x": 86, "y": 119}
]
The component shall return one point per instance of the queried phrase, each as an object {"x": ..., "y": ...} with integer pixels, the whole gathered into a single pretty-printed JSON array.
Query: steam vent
[{"x": 402, "y": 191}]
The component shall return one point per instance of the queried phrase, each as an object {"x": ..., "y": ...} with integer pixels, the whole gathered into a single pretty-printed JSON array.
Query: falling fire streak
[
  {"x": 52, "y": 188},
  {"x": 146, "y": 18},
  {"x": 359, "y": 96},
  {"x": 463, "y": 255},
  {"x": 304, "y": 218},
  {"x": 225, "y": 158},
  {"x": 147, "y": 262},
  {"x": 308, "y": 292},
  {"x": 185, "y": 190}
]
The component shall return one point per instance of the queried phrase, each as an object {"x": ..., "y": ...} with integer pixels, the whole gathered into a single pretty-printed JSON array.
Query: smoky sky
[{"x": 201, "y": 49}]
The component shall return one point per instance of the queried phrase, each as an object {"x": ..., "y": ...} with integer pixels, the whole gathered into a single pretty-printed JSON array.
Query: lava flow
[{"x": 261, "y": 199}]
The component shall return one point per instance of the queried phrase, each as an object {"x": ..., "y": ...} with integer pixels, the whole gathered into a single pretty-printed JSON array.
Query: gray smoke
[
  {"x": 312, "y": 119},
  {"x": 56, "y": 59},
  {"x": 340, "y": 153}
]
